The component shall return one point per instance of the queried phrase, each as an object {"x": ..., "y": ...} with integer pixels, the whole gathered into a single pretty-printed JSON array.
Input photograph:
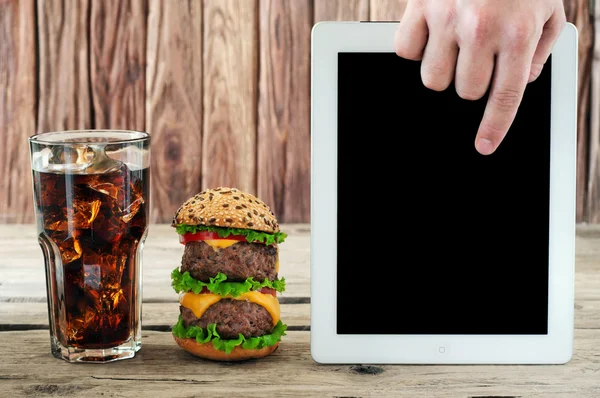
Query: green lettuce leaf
[
  {"x": 210, "y": 334},
  {"x": 217, "y": 285},
  {"x": 251, "y": 235}
]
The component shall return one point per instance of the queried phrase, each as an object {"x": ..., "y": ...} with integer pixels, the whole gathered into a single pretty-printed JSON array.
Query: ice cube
[
  {"x": 75, "y": 327},
  {"x": 94, "y": 302},
  {"x": 137, "y": 200},
  {"x": 108, "y": 227},
  {"x": 69, "y": 247},
  {"x": 136, "y": 157},
  {"x": 106, "y": 188},
  {"x": 55, "y": 221},
  {"x": 70, "y": 250},
  {"x": 115, "y": 301},
  {"x": 132, "y": 210},
  {"x": 50, "y": 190},
  {"x": 105, "y": 270},
  {"x": 82, "y": 213},
  {"x": 92, "y": 275},
  {"x": 89, "y": 316},
  {"x": 98, "y": 162}
]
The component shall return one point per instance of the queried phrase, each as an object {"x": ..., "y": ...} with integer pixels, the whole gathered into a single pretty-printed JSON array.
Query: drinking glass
[{"x": 91, "y": 191}]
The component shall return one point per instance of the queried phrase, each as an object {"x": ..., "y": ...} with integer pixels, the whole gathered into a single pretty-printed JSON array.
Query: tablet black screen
[{"x": 434, "y": 238}]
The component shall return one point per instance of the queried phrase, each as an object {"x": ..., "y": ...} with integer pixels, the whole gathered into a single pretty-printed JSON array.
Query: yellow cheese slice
[
  {"x": 217, "y": 244},
  {"x": 199, "y": 303}
]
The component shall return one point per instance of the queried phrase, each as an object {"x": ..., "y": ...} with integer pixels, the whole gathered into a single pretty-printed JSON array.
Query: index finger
[{"x": 510, "y": 80}]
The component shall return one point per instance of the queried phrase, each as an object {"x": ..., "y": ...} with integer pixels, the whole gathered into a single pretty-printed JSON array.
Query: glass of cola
[{"x": 91, "y": 191}]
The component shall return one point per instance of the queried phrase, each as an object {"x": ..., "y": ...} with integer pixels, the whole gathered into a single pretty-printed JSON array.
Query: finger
[
  {"x": 411, "y": 34},
  {"x": 550, "y": 34},
  {"x": 474, "y": 69},
  {"x": 439, "y": 61},
  {"x": 509, "y": 82}
]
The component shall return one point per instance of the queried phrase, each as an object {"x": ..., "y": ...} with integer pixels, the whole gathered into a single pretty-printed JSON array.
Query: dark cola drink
[
  {"x": 91, "y": 204},
  {"x": 97, "y": 223}
]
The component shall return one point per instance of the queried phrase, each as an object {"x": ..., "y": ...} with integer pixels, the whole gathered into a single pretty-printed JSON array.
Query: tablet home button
[{"x": 442, "y": 350}]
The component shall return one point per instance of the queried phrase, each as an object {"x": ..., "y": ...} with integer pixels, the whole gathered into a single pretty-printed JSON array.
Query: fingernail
[
  {"x": 484, "y": 146},
  {"x": 536, "y": 71}
]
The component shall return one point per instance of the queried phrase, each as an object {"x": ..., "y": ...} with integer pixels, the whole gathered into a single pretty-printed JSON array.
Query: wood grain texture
[
  {"x": 21, "y": 255},
  {"x": 162, "y": 369},
  {"x": 64, "y": 77},
  {"x": 22, "y": 279},
  {"x": 230, "y": 94},
  {"x": 593, "y": 181},
  {"x": 386, "y": 10},
  {"x": 17, "y": 108},
  {"x": 578, "y": 13},
  {"x": 155, "y": 315},
  {"x": 118, "y": 63},
  {"x": 174, "y": 103},
  {"x": 341, "y": 10},
  {"x": 284, "y": 108}
]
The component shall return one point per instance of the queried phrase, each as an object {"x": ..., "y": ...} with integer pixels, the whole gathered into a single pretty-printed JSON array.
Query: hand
[{"x": 500, "y": 45}]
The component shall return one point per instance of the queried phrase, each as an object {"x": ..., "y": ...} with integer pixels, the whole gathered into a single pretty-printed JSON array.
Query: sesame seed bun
[
  {"x": 208, "y": 351},
  {"x": 227, "y": 207}
]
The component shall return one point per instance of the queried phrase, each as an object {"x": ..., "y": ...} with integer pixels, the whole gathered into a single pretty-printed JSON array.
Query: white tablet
[{"x": 423, "y": 251}]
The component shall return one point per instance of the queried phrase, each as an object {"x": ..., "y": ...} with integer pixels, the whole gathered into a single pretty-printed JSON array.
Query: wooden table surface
[{"x": 161, "y": 368}]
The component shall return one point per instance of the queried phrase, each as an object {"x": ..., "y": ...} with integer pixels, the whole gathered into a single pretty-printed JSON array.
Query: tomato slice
[
  {"x": 268, "y": 290},
  {"x": 206, "y": 235}
]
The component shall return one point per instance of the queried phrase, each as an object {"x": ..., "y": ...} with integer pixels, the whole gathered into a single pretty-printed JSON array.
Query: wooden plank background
[{"x": 223, "y": 87}]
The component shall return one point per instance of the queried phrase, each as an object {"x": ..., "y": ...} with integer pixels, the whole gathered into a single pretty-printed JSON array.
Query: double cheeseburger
[{"x": 228, "y": 279}]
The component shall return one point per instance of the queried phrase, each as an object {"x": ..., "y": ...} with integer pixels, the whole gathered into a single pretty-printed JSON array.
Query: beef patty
[
  {"x": 239, "y": 261},
  {"x": 232, "y": 317}
]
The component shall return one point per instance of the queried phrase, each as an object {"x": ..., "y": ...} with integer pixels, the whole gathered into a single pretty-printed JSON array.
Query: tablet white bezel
[{"x": 329, "y": 38}]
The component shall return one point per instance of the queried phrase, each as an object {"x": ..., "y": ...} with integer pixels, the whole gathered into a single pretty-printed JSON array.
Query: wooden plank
[
  {"x": 284, "y": 108},
  {"x": 118, "y": 63},
  {"x": 587, "y": 314},
  {"x": 17, "y": 108},
  {"x": 161, "y": 368},
  {"x": 64, "y": 85},
  {"x": 230, "y": 92},
  {"x": 387, "y": 10},
  {"x": 22, "y": 275},
  {"x": 593, "y": 193},
  {"x": 341, "y": 10},
  {"x": 174, "y": 103},
  {"x": 164, "y": 315},
  {"x": 578, "y": 13}
]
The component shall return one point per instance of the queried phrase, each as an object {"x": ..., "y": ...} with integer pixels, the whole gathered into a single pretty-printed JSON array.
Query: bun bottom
[{"x": 208, "y": 351}]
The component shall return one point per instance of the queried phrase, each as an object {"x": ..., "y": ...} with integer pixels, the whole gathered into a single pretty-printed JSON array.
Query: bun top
[{"x": 226, "y": 207}]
